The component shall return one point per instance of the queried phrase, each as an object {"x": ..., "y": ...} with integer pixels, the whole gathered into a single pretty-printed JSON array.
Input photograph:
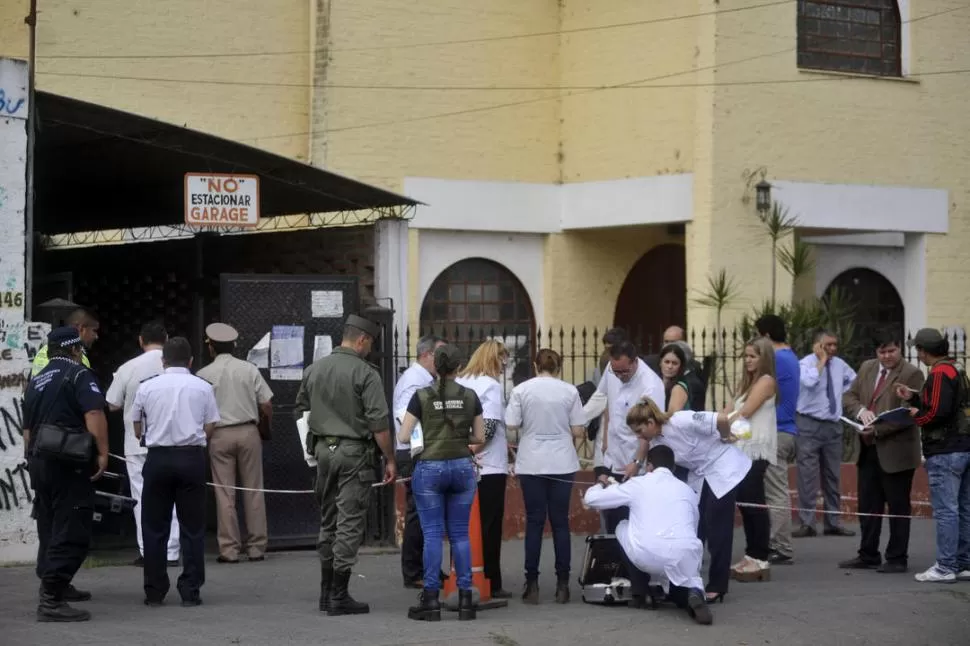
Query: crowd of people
[{"x": 669, "y": 474}]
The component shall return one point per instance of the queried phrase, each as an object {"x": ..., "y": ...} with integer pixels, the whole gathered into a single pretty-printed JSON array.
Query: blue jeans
[
  {"x": 547, "y": 496},
  {"x": 445, "y": 489},
  {"x": 949, "y": 477}
]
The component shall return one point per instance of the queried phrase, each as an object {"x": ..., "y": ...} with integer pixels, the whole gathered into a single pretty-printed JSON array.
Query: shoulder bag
[{"x": 66, "y": 444}]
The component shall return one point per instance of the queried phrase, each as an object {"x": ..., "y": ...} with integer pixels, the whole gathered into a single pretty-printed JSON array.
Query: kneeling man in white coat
[{"x": 660, "y": 537}]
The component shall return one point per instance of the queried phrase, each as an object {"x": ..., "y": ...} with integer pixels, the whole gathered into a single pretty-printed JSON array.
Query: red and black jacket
[{"x": 940, "y": 413}]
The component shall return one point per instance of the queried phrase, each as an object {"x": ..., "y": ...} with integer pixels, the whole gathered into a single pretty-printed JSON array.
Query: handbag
[{"x": 62, "y": 443}]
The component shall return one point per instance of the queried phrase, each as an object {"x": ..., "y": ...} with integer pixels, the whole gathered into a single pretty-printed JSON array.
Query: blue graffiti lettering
[{"x": 10, "y": 106}]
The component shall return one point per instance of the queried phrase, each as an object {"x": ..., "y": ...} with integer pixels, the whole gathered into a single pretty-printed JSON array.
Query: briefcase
[{"x": 604, "y": 577}]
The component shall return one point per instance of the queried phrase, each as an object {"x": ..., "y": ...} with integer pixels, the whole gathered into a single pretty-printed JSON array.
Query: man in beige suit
[
  {"x": 243, "y": 397},
  {"x": 888, "y": 457}
]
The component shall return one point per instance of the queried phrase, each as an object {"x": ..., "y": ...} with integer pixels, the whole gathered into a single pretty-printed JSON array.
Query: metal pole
[{"x": 31, "y": 21}]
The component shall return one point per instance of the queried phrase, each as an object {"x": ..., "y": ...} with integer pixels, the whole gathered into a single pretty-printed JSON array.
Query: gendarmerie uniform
[
  {"x": 174, "y": 408},
  {"x": 61, "y": 394},
  {"x": 239, "y": 389},
  {"x": 345, "y": 397}
]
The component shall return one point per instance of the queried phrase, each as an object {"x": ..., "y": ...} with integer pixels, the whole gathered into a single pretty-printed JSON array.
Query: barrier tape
[{"x": 914, "y": 503}]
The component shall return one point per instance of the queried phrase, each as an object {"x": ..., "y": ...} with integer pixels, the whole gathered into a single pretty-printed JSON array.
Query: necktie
[
  {"x": 830, "y": 389},
  {"x": 879, "y": 384}
]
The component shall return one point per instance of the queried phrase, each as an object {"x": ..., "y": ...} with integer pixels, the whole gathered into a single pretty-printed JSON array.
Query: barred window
[{"x": 860, "y": 36}]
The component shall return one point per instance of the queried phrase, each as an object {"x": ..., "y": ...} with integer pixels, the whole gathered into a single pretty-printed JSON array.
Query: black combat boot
[
  {"x": 341, "y": 603},
  {"x": 52, "y": 607},
  {"x": 326, "y": 582},
  {"x": 72, "y": 594},
  {"x": 466, "y": 609},
  {"x": 531, "y": 593},
  {"x": 428, "y": 608},
  {"x": 562, "y": 589}
]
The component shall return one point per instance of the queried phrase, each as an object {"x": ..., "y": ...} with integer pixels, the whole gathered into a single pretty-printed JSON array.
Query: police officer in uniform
[
  {"x": 243, "y": 397},
  {"x": 173, "y": 414},
  {"x": 348, "y": 415},
  {"x": 64, "y": 394}
]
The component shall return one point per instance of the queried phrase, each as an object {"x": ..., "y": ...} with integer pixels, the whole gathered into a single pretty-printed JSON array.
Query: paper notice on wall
[
  {"x": 326, "y": 305},
  {"x": 258, "y": 355},
  {"x": 286, "y": 353},
  {"x": 322, "y": 347}
]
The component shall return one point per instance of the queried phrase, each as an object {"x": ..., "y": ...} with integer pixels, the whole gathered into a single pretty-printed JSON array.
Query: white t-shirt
[
  {"x": 125, "y": 384},
  {"x": 544, "y": 408},
  {"x": 413, "y": 379},
  {"x": 697, "y": 446},
  {"x": 622, "y": 444},
  {"x": 494, "y": 458}
]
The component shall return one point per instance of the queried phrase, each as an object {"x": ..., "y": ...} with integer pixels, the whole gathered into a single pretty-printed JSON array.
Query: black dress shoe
[
  {"x": 154, "y": 603},
  {"x": 805, "y": 531},
  {"x": 416, "y": 584},
  {"x": 892, "y": 568},
  {"x": 191, "y": 602},
  {"x": 501, "y": 594},
  {"x": 256, "y": 559},
  {"x": 858, "y": 563},
  {"x": 223, "y": 559},
  {"x": 777, "y": 558},
  {"x": 838, "y": 531}
]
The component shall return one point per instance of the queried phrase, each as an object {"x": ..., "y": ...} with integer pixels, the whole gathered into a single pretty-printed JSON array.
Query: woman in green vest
[{"x": 444, "y": 479}]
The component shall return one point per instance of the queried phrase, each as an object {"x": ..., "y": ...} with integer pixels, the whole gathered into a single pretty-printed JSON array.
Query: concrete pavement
[{"x": 274, "y": 602}]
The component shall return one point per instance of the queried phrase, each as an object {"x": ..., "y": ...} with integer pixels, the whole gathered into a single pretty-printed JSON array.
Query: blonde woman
[
  {"x": 701, "y": 442},
  {"x": 481, "y": 374},
  {"x": 755, "y": 410}
]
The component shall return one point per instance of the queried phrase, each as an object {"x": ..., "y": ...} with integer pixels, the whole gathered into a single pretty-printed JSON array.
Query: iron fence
[{"x": 581, "y": 350}]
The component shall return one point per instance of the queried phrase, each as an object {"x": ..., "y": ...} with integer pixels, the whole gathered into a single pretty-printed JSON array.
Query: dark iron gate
[{"x": 253, "y": 304}]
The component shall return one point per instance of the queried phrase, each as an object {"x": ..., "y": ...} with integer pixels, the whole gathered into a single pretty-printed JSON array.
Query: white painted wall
[
  {"x": 520, "y": 253},
  {"x": 18, "y": 538},
  {"x": 391, "y": 268}
]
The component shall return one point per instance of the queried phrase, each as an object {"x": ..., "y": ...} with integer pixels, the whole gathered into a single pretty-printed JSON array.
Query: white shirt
[
  {"x": 174, "y": 408},
  {"x": 494, "y": 458},
  {"x": 413, "y": 379},
  {"x": 621, "y": 443},
  {"x": 697, "y": 446},
  {"x": 545, "y": 408},
  {"x": 125, "y": 384},
  {"x": 661, "y": 533}
]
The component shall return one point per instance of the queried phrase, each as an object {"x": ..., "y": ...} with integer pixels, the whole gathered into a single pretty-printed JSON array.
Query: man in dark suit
[{"x": 888, "y": 456}]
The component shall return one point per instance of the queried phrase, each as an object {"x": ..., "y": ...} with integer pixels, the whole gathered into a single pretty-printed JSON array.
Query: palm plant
[
  {"x": 721, "y": 292},
  {"x": 777, "y": 224}
]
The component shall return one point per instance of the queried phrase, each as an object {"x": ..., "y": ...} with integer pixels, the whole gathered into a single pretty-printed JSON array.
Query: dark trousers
[
  {"x": 716, "y": 529},
  {"x": 174, "y": 476},
  {"x": 491, "y": 502},
  {"x": 412, "y": 542},
  {"x": 757, "y": 521},
  {"x": 547, "y": 497},
  {"x": 612, "y": 517},
  {"x": 64, "y": 510},
  {"x": 877, "y": 490}
]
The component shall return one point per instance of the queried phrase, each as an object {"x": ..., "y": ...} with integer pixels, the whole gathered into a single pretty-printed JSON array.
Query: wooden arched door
[{"x": 653, "y": 296}]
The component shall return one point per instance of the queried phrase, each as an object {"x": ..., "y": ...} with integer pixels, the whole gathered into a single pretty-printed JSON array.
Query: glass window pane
[
  {"x": 474, "y": 312},
  {"x": 456, "y": 312},
  {"x": 456, "y": 292},
  {"x": 490, "y": 313},
  {"x": 473, "y": 293},
  {"x": 490, "y": 293}
]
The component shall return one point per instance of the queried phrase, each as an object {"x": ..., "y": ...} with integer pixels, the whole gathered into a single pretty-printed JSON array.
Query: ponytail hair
[{"x": 644, "y": 411}]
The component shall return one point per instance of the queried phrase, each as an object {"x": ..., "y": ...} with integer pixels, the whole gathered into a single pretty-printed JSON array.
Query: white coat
[{"x": 660, "y": 538}]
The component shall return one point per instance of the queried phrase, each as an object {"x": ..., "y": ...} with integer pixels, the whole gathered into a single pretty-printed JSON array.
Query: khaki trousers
[
  {"x": 777, "y": 495},
  {"x": 229, "y": 448}
]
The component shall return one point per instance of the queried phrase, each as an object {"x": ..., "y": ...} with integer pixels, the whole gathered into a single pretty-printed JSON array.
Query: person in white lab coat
[
  {"x": 660, "y": 537},
  {"x": 627, "y": 379},
  {"x": 702, "y": 443}
]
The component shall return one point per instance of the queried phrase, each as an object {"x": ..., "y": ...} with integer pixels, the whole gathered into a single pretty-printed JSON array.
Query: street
[{"x": 274, "y": 602}]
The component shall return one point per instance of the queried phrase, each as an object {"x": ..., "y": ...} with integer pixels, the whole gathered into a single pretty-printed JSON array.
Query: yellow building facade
[{"x": 561, "y": 142}]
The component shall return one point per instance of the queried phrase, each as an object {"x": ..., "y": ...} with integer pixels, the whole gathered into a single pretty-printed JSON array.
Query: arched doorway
[
  {"x": 477, "y": 299},
  {"x": 877, "y": 305},
  {"x": 653, "y": 296}
]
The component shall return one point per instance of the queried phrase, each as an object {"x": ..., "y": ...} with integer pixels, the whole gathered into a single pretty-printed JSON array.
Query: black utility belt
[{"x": 249, "y": 423}]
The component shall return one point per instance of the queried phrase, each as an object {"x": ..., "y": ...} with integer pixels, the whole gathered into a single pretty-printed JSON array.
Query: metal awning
[{"x": 99, "y": 168}]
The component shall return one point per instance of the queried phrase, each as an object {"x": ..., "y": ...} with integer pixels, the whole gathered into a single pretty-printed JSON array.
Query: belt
[
  {"x": 819, "y": 419},
  {"x": 194, "y": 447},
  {"x": 335, "y": 439},
  {"x": 249, "y": 423}
]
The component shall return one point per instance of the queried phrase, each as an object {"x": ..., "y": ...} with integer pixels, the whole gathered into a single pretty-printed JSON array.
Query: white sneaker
[
  {"x": 964, "y": 575},
  {"x": 935, "y": 575}
]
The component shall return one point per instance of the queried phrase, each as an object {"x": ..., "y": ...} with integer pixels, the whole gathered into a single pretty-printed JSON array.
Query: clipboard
[{"x": 895, "y": 416}]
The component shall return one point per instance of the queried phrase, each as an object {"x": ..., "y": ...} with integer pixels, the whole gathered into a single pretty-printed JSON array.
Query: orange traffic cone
[{"x": 481, "y": 587}]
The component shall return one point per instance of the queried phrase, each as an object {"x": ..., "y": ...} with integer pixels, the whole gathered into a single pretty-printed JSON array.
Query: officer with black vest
[
  {"x": 444, "y": 478},
  {"x": 66, "y": 446}
]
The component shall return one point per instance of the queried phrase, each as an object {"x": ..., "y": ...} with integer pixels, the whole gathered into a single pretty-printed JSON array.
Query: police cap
[
  {"x": 221, "y": 333},
  {"x": 63, "y": 337},
  {"x": 364, "y": 325}
]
